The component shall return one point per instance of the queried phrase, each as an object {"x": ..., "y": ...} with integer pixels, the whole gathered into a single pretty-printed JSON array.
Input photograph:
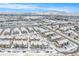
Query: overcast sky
[{"x": 39, "y": 7}]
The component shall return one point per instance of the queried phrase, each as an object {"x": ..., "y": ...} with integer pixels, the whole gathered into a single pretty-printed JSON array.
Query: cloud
[
  {"x": 18, "y": 6},
  {"x": 33, "y": 7},
  {"x": 66, "y": 9}
]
